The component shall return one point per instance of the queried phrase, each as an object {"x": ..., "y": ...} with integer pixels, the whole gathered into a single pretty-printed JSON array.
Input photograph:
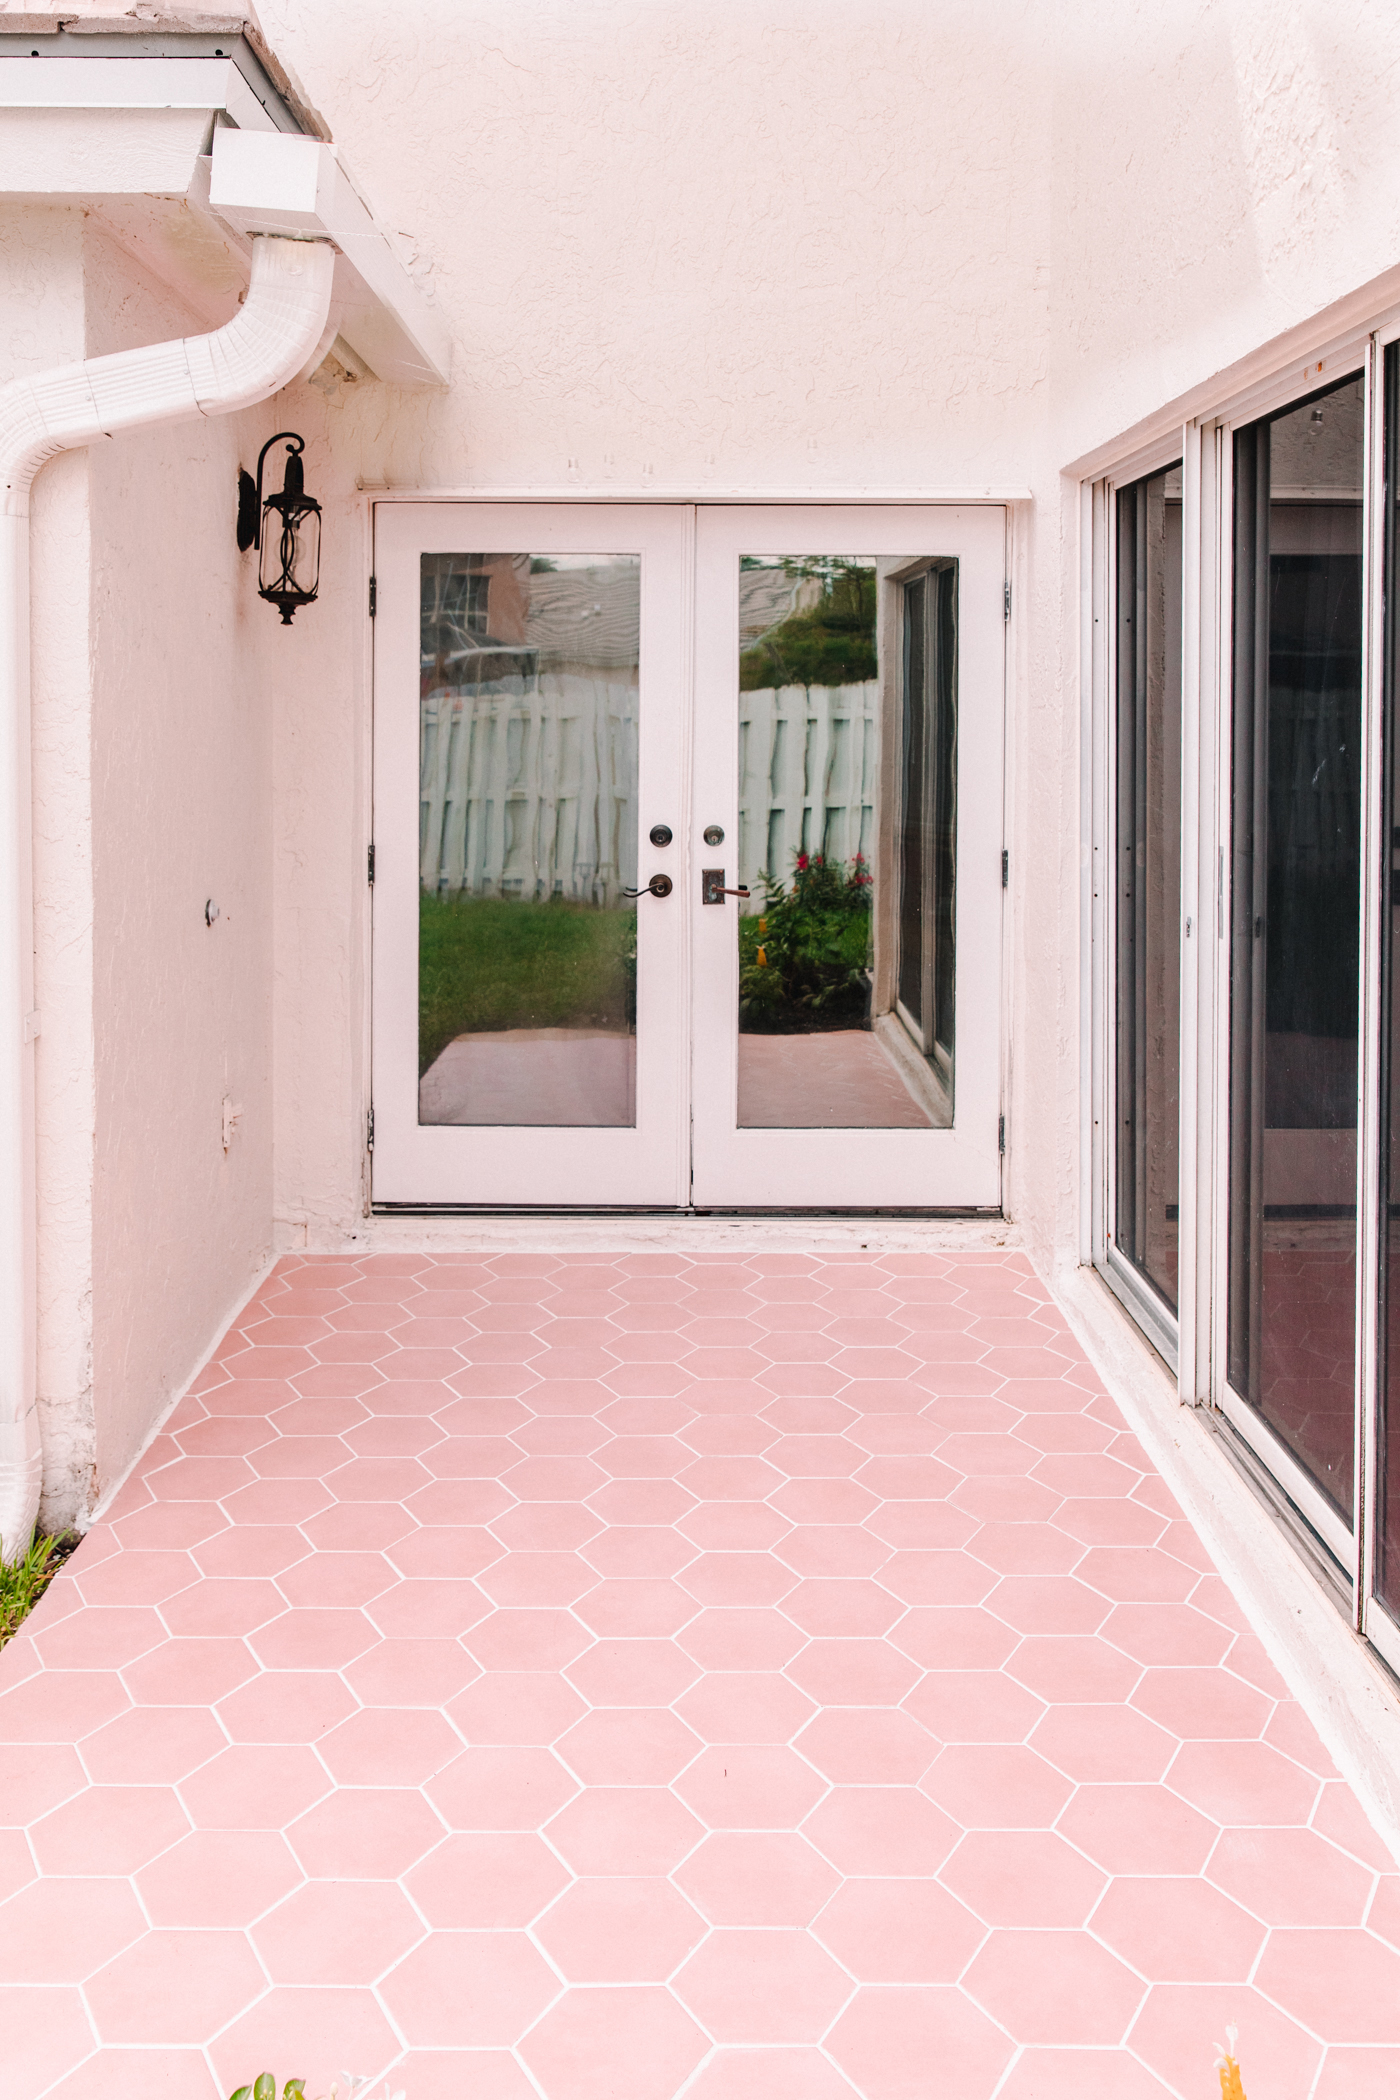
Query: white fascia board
[
  {"x": 271, "y": 183},
  {"x": 131, "y": 83}
]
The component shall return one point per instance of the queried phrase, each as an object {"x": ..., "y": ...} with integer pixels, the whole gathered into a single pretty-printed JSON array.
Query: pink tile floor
[{"x": 764, "y": 1678}]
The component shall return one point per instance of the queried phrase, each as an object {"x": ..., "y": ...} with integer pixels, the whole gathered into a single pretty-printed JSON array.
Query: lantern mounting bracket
[{"x": 250, "y": 492}]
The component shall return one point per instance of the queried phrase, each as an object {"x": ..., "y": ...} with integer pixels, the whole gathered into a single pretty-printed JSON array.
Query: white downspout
[{"x": 277, "y": 334}]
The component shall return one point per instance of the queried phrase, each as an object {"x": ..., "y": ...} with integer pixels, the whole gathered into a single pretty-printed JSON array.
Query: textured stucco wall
[
  {"x": 765, "y": 243},
  {"x": 689, "y": 244},
  {"x": 182, "y": 811}
]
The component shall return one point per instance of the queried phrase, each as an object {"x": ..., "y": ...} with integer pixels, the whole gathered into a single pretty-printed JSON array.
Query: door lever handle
[
  {"x": 712, "y": 889},
  {"x": 659, "y": 886}
]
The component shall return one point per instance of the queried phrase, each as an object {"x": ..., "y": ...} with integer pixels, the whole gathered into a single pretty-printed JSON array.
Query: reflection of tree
[{"x": 831, "y": 642}]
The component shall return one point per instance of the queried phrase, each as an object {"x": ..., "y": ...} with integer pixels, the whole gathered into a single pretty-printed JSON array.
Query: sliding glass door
[
  {"x": 1295, "y": 939},
  {"x": 1245, "y": 1130}
]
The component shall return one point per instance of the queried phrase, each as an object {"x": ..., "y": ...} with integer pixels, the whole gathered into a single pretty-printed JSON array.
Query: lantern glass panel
[{"x": 290, "y": 559}]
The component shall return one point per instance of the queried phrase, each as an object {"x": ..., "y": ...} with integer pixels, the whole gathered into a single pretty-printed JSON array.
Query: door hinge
[
  {"x": 1006, "y": 600},
  {"x": 370, "y": 868},
  {"x": 1001, "y": 1136},
  {"x": 369, "y": 1128},
  {"x": 1005, "y": 866},
  {"x": 373, "y": 595}
]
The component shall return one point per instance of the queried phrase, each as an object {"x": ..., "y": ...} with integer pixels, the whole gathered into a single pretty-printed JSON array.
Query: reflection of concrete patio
[
  {"x": 767, "y": 1677},
  {"x": 841, "y": 1080},
  {"x": 559, "y": 1076}
]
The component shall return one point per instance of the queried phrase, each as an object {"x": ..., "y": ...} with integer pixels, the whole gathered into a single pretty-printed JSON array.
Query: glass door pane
[
  {"x": 1295, "y": 929},
  {"x": 527, "y": 937},
  {"x": 1147, "y": 897},
  {"x": 839, "y": 951},
  {"x": 848, "y": 771}
]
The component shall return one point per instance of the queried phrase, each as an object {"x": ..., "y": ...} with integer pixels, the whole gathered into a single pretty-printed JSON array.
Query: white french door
[
  {"x": 531, "y": 709},
  {"x": 688, "y": 856}
]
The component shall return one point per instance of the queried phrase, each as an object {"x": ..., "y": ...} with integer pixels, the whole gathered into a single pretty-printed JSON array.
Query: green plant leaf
[
  {"x": 294, "y": 2089},
  {"x": 244, "y": 2093},
  {"x": 265, "y": 2088}
]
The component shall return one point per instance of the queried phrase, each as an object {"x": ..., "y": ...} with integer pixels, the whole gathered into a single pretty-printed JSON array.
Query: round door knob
[
  {"x": 714, "y": 834},
  {"x": 660, "y": 834},
  {"x": 660, "y": 885}
]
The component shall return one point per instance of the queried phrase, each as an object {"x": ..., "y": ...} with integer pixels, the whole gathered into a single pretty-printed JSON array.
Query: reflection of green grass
[{"x": 486, "y": 963}]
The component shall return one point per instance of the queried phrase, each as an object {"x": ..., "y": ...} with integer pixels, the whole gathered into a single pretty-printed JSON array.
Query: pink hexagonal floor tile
[
  {"x": 1276, "y": 2056},
  {"x": 1344, "y": 1985},
  {"x": 974, "y": 1706},
  {"x": 741, "y": 1637},
  {"x": 619, "y": 1929},
  {"x": 498, "y": 1789},
  {"x": 1290, "y": 1877},
  {"x": 1103, "y": 1743},
  {"x": 1243, "y": 1783},
  {"x": 146, "y": 1746},
  {"x": 1178, "y": 1930},
  {"x": 47, "y": 2032},
  {"x": 632, "y": 1673},
  {"x": 861, "y": 1746},
  {"x": 629, "y": 1746},
  {"x": 253, "y": 1787},
  {"x": 374, "y": 1834},
  {"x": 527, "y": 1640},
  {"x": 574, "y": 2051},
  {"x": 515, "y": 1706},
  {"x": 1054, "y": 1987},
  {"x": 881, "y": 1830},
  {"x": 889, "y": 2036},
  {"x": 336, "y": 1932},
  {"x": 1138, "y": 1830},
  {"x": 486, "y": 1879},
  {"x": 762, "y": 1986},
  {"x": 854, "y": 1673},
  {"x": 1081, "y": 2074},
  {"x": 403, "y": 1673},
  {"x": 624, "y": 1830},
  {"x": 757, "y": 1878},
  {"x": 769, "y": 2074},
  {"x": 752, "y": 1706},
  {"x": 996, "y": 1787},
  {"x": 1023, "y": 1877},
  {"x": 175, "y": 1984},
  {"x": 218, "y": 1877},
  {"x": 746, "y": 1787},
  {"x": 109, "y": 1830},
  {"x": 59, "y": 1932},
  {"x": 380, "y": 1747},
  {"x": 319, "y": 2028},
  {"x": 286, "y": 1706},
  {"x": 906, "y": 1931}
]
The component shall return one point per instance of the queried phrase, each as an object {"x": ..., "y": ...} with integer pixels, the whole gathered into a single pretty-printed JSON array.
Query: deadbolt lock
[
  {"x": 714, "y": 834},
  {"x": 660, "y": 834}
]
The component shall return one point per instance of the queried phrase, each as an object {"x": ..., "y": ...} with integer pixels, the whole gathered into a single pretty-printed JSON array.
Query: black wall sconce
[{"x": 286, "y": 530}]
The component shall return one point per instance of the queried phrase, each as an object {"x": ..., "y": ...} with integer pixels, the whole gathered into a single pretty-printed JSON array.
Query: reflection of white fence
[
  {"x": 808, "y": 763},
  {"x": 528, "y": 788}
]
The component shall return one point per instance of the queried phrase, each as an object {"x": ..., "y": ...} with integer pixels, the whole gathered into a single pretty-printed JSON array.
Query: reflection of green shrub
[
  {"x": 804, "y": 959},
  {"x": 491, "y": 962},
  {"x": 832, "y": 643}
]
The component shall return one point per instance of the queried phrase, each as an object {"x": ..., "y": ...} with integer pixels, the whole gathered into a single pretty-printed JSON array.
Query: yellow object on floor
[{"x": 1230, "y": 2086}]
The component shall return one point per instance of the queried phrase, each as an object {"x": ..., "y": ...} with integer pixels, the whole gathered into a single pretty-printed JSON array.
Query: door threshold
[{"x": 483, "y": 1211}]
